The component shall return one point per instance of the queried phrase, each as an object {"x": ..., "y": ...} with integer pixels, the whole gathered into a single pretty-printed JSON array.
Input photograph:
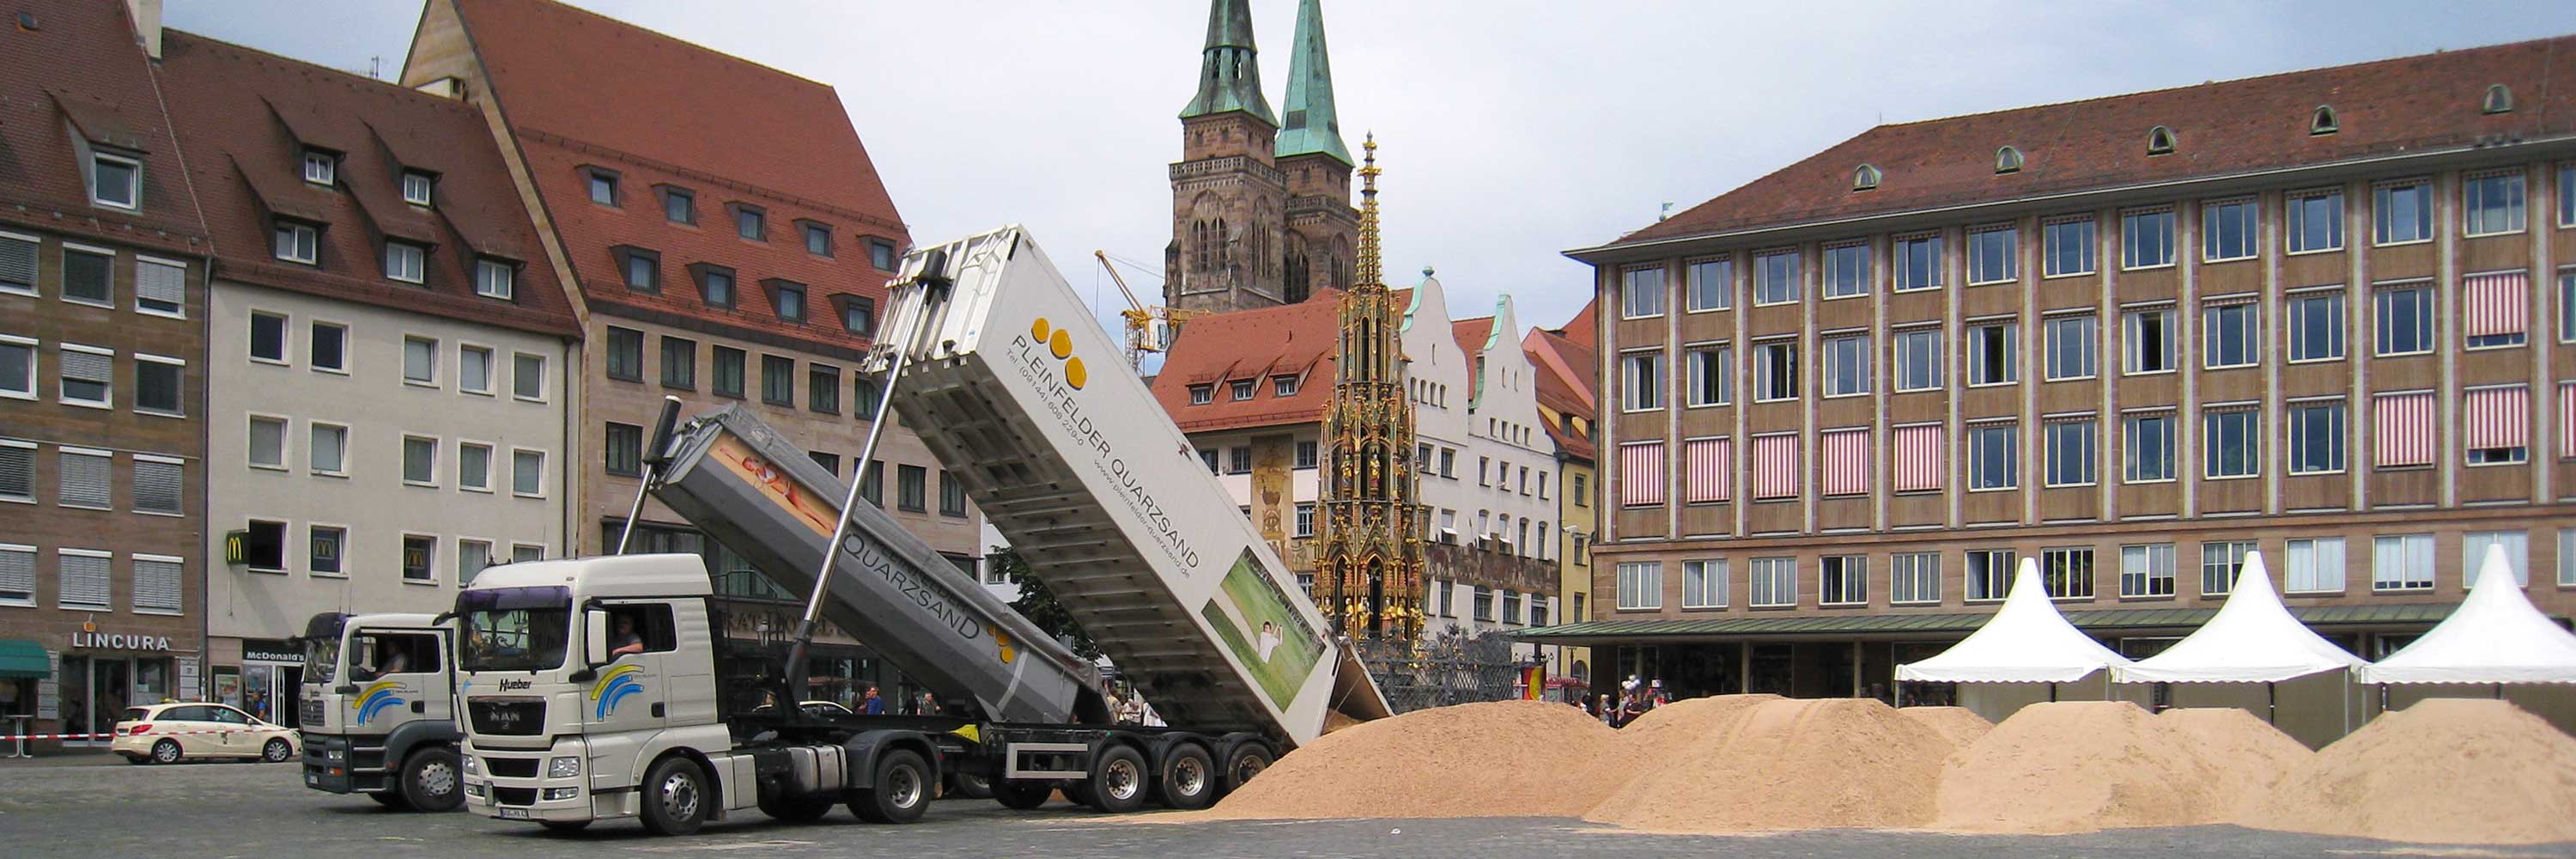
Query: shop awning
[
  {"x": 1942, "y": 625},
  {"x": 20, "y": 657}
]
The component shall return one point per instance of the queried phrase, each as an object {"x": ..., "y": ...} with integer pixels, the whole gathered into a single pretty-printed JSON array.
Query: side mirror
[
  {"x": 345, "y": 689},
  {"x": 594, "y": 637}
]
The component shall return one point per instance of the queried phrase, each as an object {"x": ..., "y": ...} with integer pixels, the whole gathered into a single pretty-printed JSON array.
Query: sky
[{"x": 1509, "y": 131}]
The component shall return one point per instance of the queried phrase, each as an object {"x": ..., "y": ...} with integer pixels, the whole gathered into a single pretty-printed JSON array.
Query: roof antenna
[
  {"x": 374, "y": 65},
  {"x": 1666, "y": 212}
]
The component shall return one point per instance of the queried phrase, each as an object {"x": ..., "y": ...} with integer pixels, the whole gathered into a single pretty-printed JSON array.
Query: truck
[
  {"x": 591, "y": 689},
  {"x": 378, "y": 709}
]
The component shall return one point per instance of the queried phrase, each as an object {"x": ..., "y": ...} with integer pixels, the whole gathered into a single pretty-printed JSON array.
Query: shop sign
[
  {"x": 188, "y": 679},
  {"x": 119, "y": 641},
  {"x": 271, "y": 650}
]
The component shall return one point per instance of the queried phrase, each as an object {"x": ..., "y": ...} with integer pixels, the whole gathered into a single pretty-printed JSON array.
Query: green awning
[
  {"x": 1944, "y": 625},
  {"x": 20, "y": 657}
]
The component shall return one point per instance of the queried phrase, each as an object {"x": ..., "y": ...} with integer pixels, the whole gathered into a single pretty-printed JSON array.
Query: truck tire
[
  {"x": 676, "y": 796},
  {"x": 1246, "y": 760},
  {"x": 1119, "y": 780},
  {"x": 1023, "y": 795},
  {"x": 899, "y": 794},
  {"x": 1188, "y": 779},
  {"x": 797, "y": 809},
  {"x": 430, "y": 781},
  {"x": 968, "y": 785}
]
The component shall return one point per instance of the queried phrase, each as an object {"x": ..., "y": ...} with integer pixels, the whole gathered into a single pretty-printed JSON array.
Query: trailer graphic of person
[{"x": 1253, "y": 619}]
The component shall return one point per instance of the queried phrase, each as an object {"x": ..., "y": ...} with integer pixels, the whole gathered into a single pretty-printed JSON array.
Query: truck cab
[{"x": 379, "y": 709}]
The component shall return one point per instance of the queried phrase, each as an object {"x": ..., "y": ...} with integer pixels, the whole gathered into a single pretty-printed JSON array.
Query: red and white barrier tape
[{"x": 6, "y": 738}]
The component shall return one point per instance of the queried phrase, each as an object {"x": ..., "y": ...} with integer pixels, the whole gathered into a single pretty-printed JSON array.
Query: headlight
[
  {"x": 336, "y": 755},
  {"x": 562, "y": 792},
  {"x": 474, "y": 789},
  {"x": 471, "y": 766},
  {"x": 563, "y": 767}
]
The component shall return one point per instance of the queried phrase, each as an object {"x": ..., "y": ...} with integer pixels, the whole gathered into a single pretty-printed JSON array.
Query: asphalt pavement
[{"x": 59, "y": 807}]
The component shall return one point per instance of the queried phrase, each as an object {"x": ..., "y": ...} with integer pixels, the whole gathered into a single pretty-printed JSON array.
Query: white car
[{"x": 169, "y": 733}]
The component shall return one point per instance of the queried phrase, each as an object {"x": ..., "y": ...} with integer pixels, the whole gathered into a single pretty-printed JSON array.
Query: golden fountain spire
[{"x": 1370, "y": 277}]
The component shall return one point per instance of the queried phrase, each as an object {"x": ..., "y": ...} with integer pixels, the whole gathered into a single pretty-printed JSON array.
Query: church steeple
[
  {"x": 1312, "y": 126},
  {"x": 1229, "y": 76}
]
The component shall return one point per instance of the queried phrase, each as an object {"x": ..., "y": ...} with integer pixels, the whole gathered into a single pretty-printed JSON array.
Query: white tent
[
  {"x": 2253, "y": 639},
  {"x": 2026, "y": 641},
  {"x": 2496, "y": 636}
]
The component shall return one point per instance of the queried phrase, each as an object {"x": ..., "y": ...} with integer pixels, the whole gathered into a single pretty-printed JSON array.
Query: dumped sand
[
  {"x": 2250, "y": 754},
  {"x": 1960, "y": 725},
  {"x": 1334, "y": 720},
  {"x": 2446, "y": 770},
  {"x": 1495, "y": 759},
  {"x": 1656, "y": 733},
  {"x": 1782, "y": 764},
  {"x": 2078, "y": 766}
]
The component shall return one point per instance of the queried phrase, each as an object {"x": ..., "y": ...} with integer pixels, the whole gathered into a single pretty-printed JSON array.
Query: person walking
[{"x": 872, "y": 705}]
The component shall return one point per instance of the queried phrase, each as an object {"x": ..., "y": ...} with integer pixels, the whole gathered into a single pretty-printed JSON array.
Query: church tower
[
  {"x": 1369, "y": 582},
  {"x": 1322, "y": 229},
  {"x": 1229, "y": 200}
]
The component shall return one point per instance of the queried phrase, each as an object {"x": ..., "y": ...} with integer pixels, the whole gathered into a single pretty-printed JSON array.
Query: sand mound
[
  {"x": 2445, "y": 770},
  {"x": 2247, "y": 751},
  {"x": 1656, "y": 734},
  {"x": 1784, "y": 764},
  {"x": 2077, "y": 766},
  {"x": 1495, "y": 759},
  {"x": 1959, "y": 725},
  {"x": 1335, "y": 720}
]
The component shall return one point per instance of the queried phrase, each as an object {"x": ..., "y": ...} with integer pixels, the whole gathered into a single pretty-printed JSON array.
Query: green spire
[
  {"x": 1312, "y": 125},
  {"x": 1229, "y": 77}
]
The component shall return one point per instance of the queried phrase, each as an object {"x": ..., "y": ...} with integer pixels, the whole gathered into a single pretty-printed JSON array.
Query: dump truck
[
  {"x": 591, "y": 688},
  {"x": 378, "y": 709}
]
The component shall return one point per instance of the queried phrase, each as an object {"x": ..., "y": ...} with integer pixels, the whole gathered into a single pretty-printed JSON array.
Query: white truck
[
  {"x": 378, "y": 709},
  {"x": 591, "y": 689}
]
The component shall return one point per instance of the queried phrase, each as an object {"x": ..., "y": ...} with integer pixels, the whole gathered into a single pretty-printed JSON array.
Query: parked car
[{"x": 169, "y": 733}]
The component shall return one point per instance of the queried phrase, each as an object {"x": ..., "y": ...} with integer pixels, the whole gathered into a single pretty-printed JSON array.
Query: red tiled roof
[
  {"x": 1585, "y": 328},
  {"x": 1471, "y": 335},
  {"x": 232, "y": 105},
  {"x": 2230, "y": 127},
  {"x": 81, "y": 71},
  {"x": 1565, "y": 387},
  {"x": 661, "y": 111},
  {"x": 1253, "y": 344}
]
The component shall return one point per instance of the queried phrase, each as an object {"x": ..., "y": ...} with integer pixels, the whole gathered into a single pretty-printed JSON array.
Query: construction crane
[{"x": 1149, "y": 329}]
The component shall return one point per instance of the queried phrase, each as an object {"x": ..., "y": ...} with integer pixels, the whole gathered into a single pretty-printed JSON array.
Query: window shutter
[
  {"x": 87, "y": 366},
  {"x": 2497, "y": 303},
  {"x": 1775, "y": 467},
  {"x": 156, "y": 585},
  {"x": 1920, "y": 458},
  {"x": 18, "y": 471},
  {"x": 17, "y": 572},
  {"x": 2404, "y": 429},
  {"x": 1641, "y": 473},
  {"x": 2498, "y": 417},
  {"x": 84, "y": 480},
  {"x": 18, "y": 263},
  {"x": 84, "y": 580},
  {"x": 1846, "y": 461},
  {"x": 157, "y": 486},
  {"x": 1708, "y": 467},
  {"x": 164, "y": 283}
]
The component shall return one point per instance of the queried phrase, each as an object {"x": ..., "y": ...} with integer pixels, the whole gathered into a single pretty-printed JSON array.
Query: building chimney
[{"x": 147, "y": 24}]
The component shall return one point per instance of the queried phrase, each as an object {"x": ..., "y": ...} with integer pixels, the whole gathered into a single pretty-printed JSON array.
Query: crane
[{"x": 1141, "y": 320}]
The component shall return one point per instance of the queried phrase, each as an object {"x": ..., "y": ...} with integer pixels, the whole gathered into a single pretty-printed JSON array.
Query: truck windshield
[
  {"x": 322, "y": 646},
  {"x": 514, "y": 629}
]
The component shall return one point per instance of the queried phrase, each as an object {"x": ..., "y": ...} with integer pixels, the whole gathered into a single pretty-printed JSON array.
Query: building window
[
  {"x": 1239, "y": 389},
  {"x": 1990, "y": 573},
  {"x": 1283, "y": 386},
  {"x": 2007, "y": 160},
  {"x": 872, "y": 482},
  {"x": 528, "y": 473},
  {"x": 2070, "y": 452},
  {"x": 1993, "y": 255},
  {"x": 2567, "y": 194},
  {"x": 1991, "y": 354},
  {"x": 2492, "y": 203},
  {"x": 625, "y": 449},
  {"x": 603, "y": 187},
  {"x": 624, "y": 354},
  {"x": 2071, "y": 343},
  {"x": 823, "y": 389},
  {"x": 324, "y": 547},
  {"x": 750, "y": 223},
  {"x": 1775, "y": 278},
  {"x": 296, "y": 242},
  {"x": 1846, "y": 365},
  {"x": 2147, "y": 238},
  {"x": 268, "y": 338},
  {"x": 2402, "y": 213},
  {"x": 1238, "y": 460},
  {"x": 1704, "y": 583},
  {"x": 2316, "y": 327},
  {"x": 2402, "y": 563},
  {"x": 2316, "y": 437},
  {"x": 2231, "y": 336},
  {"x": 2067, "y": 573},
  {"x": 2068, "y": 247},
  {"x": 858, "y": 315},
  {"x": 415, "y": 187},
  {"x": 1305, "y": 519},
  {"x": 17, "y": 368},
  {"x": 2315, "y": 566},
  {"x": 790, "y": 298},
  {"x": 911, "y": 488},
  {"x": 679, "y": 206},
  {"x": 2220, "y": 561},
  {"x": 17, "y": 471},
  {"x": 1994, "y": 454},
  {"x": 1847, "y": 271},
  {"x": 2405, "y": 321},
  {"x": 2315, "y": 222},
  {"x": 818, "y": 240},
  {"x": 1201, "y": 395},
  {"x": 1918, "y": 263},
  {"x": 329, "y": 449},
  {"x": 157, "y": 385},
  {"x": 1712, "y": 375},
  {"x": 1842, "y": 580},
  {"x": 778, "y": 380},
  {"x": 84, "y": 478},
  {"x": 1641, "y": 585},
  {"x": 1644, "y": 374},
  {"x": 2148, "y": 340},
  {"x": 328, "y": 343},
  {"x": 952, "y": 495},
  {"x": 2566, "y": 557},
  {"x": 115, "y": 181},
  {"x": 1775, "y": 370},
  {"x": 419, "y": 552},
  {"x": 1712, "y": 284},
  {"x": 2229, "y": 231},
  {"x": 679, "y": 363},
  {"x": 494, "y": 279},
  {"x": 881, "y": 254},
  {"x": 2147, "y": 570},
  {"x": 1914, "y": 577},
  {"x": 1772, "y": 583},
  {"x": 88, "y": 375},
  {"x": 420, "y": 361},
  {"x": 321, "y": 168},
  {"x": 85, "y": 579},
  {"x": 1306, "y": 457},
  {"x": 474, "y": 466},
  {"x": 2498, "y": 424},
  {"x": 528, "y": 377},
  {"x": 87, "y": 279},
  {"x": 2234, "y": 443},
  {"x": 157, "y": 588},
  {"x": 267, "y": 442},
  {"x": 865, "y": 398},
  {"x": 2323, "y": 120},
  {"x": 18, "y": 264},
  {"x": 160, "y": 289},
  {"x": 1209, "y": 457},
  {"x": 1642, "y": 292},
  {"x": 1918, "y": 360},
  {"x": 643, "y": 270},
  {"x": 419, "y": 460}
]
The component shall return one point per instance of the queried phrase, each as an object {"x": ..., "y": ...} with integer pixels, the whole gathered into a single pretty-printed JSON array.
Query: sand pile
[
  {"x": 1784, "y": 764},
  {"x": 2077, "y": 766},
  {"x": 1654, "y": 735},
  {"x": 1959, "y": 725},
  {"x": 1496, "y": 759},
  {"x": 2446, "y": 770},
  {"x": 2249, "y": 754},
  {"x": 1335, "y": 720}
]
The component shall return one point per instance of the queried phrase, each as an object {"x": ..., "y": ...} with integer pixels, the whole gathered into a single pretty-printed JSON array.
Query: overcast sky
[{"x": 1509, "y": 131}]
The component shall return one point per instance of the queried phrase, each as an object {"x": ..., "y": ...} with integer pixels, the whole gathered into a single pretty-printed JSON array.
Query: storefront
[
  {"x": 270, "y": 680},
  {"x": 101, "y": 672}
]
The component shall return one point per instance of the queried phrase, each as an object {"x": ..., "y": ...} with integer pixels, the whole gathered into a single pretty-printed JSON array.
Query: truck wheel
[
  {"x": 1118, "y": 780},
  {"x": 1023, "y": 795},
  {"x": 1188, "y": 782},
  {"x": 392, "y": 799},
  {"x": 429, "y": 780},
  {"x": 675, "y": 797},
  {"x": 969, "y": 786},
  {"x": 1247, "y": 760},
  {"x": 900, "y": 793}
]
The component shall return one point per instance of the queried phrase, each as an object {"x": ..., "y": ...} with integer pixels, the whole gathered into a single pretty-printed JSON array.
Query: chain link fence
[{"x": 1445, "y": 669}]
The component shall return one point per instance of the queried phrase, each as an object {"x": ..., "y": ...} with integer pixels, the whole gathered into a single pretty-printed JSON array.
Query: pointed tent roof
[
  {"x": 2495, "y": 637},
  {"x": 2252, "y": 639},
  {"x": 1229, "y": 74},
  {"x": 1312, "y": 125},
  {"x": 2026, "y": 641}
]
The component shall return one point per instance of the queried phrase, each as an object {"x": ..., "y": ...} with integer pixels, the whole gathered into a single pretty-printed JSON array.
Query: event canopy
[
  {"x": 2253, "y": 639},
  {"x": 2496, "y": 636},
  {"x": 2027, "y": 641}
]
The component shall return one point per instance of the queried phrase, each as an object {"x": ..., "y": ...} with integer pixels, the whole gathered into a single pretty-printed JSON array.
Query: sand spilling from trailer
[
  {"x": 1783, "y": 764},
  {"x": 1498, "y": 759},
  {"x": 1959, "y": 725},
  {"x": 2078, "y": 766},
  {"x": 2459, "y": 771}
]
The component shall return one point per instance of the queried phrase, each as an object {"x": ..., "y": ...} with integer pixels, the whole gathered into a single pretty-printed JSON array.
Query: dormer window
[
  {"x": 495, "y": 278},
  {"x": 2323, "y": 121},
  {"x": 788, "y": 298},
  {"x": 715, "y": 284},
  {"x": 1201, "y": 395},
  {"x": 415, "y": 187},
  {"x": 818, "y": 238},
  {"x": 297, "y": 242},
  {"x": 858, "y": 315},
  {"x": 750, "y": 222},
  {"x": 881, "y": 254},
  {"x": 115, "y": 181},
  {"x": 1865, "y": 178},
  {"x": 1283, "y": 386},
  {"x": 603, "y": 186},
  {"x": 321, "y": 168},
  {"x": 2499, "y": 99},
  {"x": 406, "y": 262},
  {"x": 2007, "y": 160},
  {"x": 641, "y": 267},
  {"x": 1240, "y": 388},
  {"x": 2160, "y": 140},
  {"x": 679, "y": 205}
]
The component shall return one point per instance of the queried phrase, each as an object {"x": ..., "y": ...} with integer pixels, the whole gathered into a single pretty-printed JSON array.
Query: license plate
[
  {"x": 514, "y": 814},
  {"x": 312, "y": 779}
]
